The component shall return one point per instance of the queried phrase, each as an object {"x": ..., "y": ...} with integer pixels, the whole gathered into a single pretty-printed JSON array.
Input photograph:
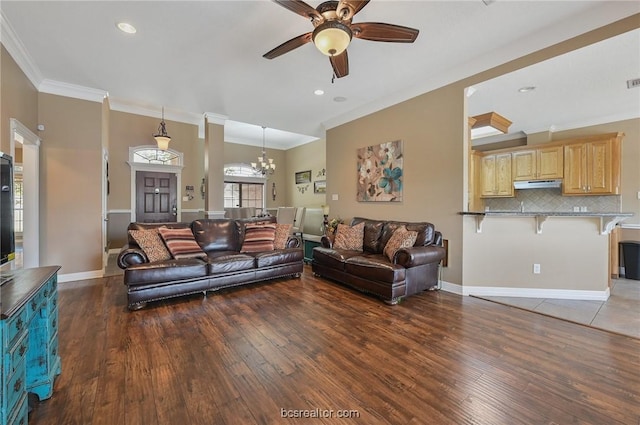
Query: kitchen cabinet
[
  {"x": 538, "y": 164},
  {"x": 495, "y": 176},
  {"x": 592, "y": 167}
]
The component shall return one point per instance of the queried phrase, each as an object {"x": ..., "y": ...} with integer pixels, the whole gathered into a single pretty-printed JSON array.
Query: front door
[{"x": 156, "y": 197}]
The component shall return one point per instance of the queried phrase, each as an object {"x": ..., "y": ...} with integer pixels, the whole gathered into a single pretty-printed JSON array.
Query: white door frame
[
  {"x": 158, "y": 168},
  {"x": 30, "y": 142}
]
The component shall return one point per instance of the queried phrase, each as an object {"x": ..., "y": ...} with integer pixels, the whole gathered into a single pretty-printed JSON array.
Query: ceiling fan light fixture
[{"x": 332, "y": 37}]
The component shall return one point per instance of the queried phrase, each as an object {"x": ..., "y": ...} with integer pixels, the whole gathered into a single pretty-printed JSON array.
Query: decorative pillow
[
  {"x": 401, "y": 238},
  {"x": 349, "y": 237},
  {"x": 281, "y": 236},
  {"x": 258, "y": 237},
  {"x": 181, "y": 243},
  {"x": 151, "y": 243}
]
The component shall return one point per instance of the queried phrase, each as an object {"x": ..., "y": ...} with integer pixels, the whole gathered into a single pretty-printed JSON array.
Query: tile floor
[{"x": 620, "y": 313}]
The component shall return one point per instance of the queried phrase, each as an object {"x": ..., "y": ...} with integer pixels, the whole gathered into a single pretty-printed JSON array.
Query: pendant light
[{"x": 162, "y": 138}]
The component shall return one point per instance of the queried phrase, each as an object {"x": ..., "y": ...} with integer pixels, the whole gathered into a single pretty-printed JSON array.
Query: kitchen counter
[{"x": 608, "y": 220}]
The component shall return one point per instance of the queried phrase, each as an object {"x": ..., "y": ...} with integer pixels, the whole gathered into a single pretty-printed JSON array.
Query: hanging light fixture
[
  {"x": 162, "y": 138},
  {"x": 264, "y": 166}
]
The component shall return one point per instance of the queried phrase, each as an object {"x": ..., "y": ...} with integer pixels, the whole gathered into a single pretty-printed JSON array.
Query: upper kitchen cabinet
[
  {"x": 495, "y": 176},
  {"x": 538, "y": 164},
  {"x": 592, "y": 165}
]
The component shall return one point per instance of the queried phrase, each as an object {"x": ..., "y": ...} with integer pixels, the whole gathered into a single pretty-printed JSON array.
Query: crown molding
[
  {"x": 72, "y": 90},
  {"x": 214, "y": 118},
  {"x": 586, "y": 123},
  {"x": 18, "y": 52},
  {"x": 177, "y": 115}
]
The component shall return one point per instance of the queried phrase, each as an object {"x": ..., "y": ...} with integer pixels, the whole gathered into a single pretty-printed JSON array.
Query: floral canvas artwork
[{"x": 380, "y": 172}]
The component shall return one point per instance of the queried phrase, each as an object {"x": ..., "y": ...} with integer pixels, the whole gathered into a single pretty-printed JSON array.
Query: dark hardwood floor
[{"x": 264, "y": 353}]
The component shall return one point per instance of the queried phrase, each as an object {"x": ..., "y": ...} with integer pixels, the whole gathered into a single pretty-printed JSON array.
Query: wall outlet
[
  {"x": 334, "y": 197},
  {"x": 576, "y": 209},
  {"x": 639, "y": 194},
  {"x": 536, "y": 268}
]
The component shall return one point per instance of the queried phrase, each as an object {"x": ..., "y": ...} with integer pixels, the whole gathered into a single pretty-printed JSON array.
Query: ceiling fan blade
[
  {"x": 352, "y": 6},
  {"x": 376, "y": 31},
  {"x": 300, "y": 7},
  {"x": 340, "y": 64},
  {"x": 288, "y": 46}
]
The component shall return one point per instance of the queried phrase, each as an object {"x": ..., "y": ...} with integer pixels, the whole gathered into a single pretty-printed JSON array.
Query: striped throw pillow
[
  {"x": 181, "y": 243},
  {"x": 258, "y": 237}
]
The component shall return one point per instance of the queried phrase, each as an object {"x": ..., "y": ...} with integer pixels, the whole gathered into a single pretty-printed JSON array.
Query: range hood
[{"x": 538, "y": 184}]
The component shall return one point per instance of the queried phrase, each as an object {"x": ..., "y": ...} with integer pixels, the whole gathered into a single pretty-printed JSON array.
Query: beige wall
[
  {"x": 432, "y": 127},
  {"x": 70, "y": 183},
  {"x": 311, "y": 156},
  {"x": 18, "y": 99}
]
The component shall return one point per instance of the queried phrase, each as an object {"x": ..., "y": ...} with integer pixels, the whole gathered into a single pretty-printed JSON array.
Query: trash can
[{"x": 631, "y": 257}]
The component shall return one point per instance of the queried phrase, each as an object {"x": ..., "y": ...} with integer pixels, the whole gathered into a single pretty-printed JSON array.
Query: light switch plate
[{"x": 334, "y": 197}]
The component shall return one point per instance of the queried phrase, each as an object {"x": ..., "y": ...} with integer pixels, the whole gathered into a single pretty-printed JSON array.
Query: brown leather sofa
[
  {"x": 412, "y": 270},
  {"x": 224, "y": 267}
]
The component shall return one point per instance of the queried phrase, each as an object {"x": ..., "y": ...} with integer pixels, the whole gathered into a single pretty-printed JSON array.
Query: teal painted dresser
[{"x": 29, "y": 334}]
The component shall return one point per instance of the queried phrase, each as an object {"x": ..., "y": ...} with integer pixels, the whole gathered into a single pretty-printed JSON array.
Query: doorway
[
  {"x": 156, "y": 197},
  {"x": 27, "y": 145}
]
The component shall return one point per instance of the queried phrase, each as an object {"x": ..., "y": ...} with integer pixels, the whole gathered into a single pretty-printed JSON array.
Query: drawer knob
[
  {"x": 19, "y": 324},
  {"x": 18, "y": 385},
  {"x": 22, "y": 350}
]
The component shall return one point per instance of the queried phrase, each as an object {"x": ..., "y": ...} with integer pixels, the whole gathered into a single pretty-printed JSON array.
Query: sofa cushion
[
  {"x": 372, "y": 233},
  {"x": 181, "y": 243},
  {"x": 401, "y": 238},
  {"x": 332, "y": 258},
  {"x": 282, "y": 235},
  {"x": 165, "y": 271},
  {"x": 258, "y": 237},
  {"x": 375, "y": 268},
  {"x": 231, "y": 263},
  {"x": 145, "y": 226},
  {"x": 215, "y": 234},
  {"x": 349, "y": 237},
  {"x": 274, "y": 258},
  {"x": 151, "y": 243}
]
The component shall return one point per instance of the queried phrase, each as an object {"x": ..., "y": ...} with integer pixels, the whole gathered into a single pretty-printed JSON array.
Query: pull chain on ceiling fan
[{"x": 333, "y": 31}]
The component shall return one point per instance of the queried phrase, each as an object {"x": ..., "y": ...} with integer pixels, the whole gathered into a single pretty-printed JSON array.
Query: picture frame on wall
[
  {"x": 303, "y": 177},
  {"x": 320, "y": 186}
]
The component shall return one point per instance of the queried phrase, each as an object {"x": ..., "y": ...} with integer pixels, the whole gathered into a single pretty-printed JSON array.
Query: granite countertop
[{"x": 547, "y": 213}]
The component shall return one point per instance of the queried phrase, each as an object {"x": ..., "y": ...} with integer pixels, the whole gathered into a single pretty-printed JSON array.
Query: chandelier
[
  {"x": 264, "y": 166},
  {"x": 162, "y": 138}
]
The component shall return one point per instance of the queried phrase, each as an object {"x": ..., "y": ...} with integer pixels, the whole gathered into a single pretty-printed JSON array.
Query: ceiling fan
[{"x": 333, "y": 31}]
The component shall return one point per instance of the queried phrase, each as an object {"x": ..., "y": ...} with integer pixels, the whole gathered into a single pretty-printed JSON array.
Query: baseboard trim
[
  {"x": 72, "y": 277},
  {"x": 114, "y": 251},
  {"x": 493, "y": 291},
  {"x": 564, "y": 294}
]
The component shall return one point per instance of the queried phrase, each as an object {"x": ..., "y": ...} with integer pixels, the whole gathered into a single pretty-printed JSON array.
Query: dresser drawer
[
  {"x": 53, "y": 322},
  {"x": 14, "y": 358},
  {"x": 35, "y": 304},
  {"x": 15, "y": 326},
  {"x": 49, "y": 288},
  {"x": 16, "y": 388},
  {"x": 20, "y": 415}
]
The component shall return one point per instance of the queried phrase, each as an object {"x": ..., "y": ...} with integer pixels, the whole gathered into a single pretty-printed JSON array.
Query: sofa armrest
[
  {"x": 326, "y": 241},
  {"x": 418, "y": 255},
  {"x": 130, "y": 255},
  {"x": 294, "y": 241}
]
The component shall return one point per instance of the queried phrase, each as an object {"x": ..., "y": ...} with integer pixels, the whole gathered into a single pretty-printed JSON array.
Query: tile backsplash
[{"x": 552, "y": 200}]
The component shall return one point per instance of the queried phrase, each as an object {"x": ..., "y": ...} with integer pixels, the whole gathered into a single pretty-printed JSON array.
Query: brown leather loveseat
[
  {"x": 409, "y": 270},
  {"x": 221, "y": 265}
]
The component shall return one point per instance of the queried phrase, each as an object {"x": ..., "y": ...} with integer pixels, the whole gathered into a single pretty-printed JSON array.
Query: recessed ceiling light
[
  {"x": 318, "y": 92},
  {"x": 125, "y": 27},
  {"x": 339, "y": 99},
  {"x": 526, "y": 89}
]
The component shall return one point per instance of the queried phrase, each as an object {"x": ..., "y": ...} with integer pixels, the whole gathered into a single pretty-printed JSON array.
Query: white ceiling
[{"x": 205, "y": 57}]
